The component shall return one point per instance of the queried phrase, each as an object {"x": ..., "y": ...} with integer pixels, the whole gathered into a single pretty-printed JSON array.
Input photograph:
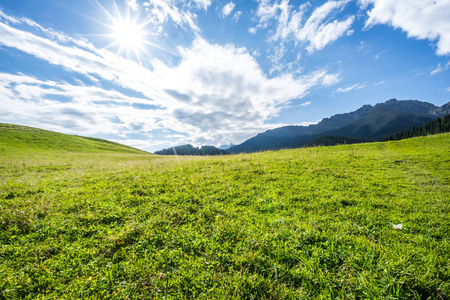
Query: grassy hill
[
  {"x": 312, "y": 223},
  {"x": 14, "y": 138}
]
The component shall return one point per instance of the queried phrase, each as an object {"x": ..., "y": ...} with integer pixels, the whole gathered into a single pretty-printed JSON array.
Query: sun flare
[
  {"x": 128, "y": 35},
  {"x": 129, "y": 31}
]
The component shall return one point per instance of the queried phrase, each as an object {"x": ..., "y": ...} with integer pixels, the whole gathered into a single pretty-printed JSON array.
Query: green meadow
[{"x": 88, "y": 219}]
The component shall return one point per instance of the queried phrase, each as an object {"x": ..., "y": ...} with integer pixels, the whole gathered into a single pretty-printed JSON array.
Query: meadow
[{"x": 98, "y": 221}]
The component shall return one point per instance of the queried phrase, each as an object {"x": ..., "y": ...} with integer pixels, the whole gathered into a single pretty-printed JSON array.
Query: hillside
[
  {"x": 17, "y": 138},
  {"x": 368, "y": 123},
  {"x": 310, "y": 223},
  {"x": 379, "y": 123},
  {"x": 436, "y": 126}
]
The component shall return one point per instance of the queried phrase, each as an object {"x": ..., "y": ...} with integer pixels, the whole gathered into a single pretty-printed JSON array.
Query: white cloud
[
  {"x": 237, "y": 15},
  {"x": 97, "y": 63},
  {"x": 133, "y": 5},
  {"x": 223, "y": 91},
  {"x": 8, "y": 19},
  {"x": 252, "y": 30},
  {"x": 52, "y": 34},
  {"x": 422, "y": 19},
  {"x": 202, "y": 4},
  {"x": 72, "y": 109},
  {"x": 278, "y": 53},
  {"x": 380, "y": 83},
  {"x": 316, "y": 31},
  {"x": 180, "y": 13},
  {"x": 363, "y": 46},
  {"x": 227, "y": 9},
  {"x": 305, "y": 104},
  {"x": 216, "y": 94},
  {"x": 440, "y": 68},
  {"x": 308, "y": 123},
  {"x": 268, "y": 11},
  {"x": 351, "y": 88},
  {"x": 331, "y": 79}
]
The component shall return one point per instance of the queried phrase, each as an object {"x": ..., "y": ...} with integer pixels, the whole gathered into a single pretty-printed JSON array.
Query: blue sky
[{"x": 158, "y": 73}]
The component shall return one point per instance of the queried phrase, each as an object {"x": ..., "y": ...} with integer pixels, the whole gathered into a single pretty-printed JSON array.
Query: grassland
[
  {"x": 313, "y": 223},
  {"x": 28, "y": 140}
]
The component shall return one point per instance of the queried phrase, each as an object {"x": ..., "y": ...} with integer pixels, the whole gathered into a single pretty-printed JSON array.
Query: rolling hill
[{"x": 22, "y": 138}]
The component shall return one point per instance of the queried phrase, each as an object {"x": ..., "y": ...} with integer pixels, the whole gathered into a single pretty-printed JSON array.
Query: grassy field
[
  {"x": 313, "y": 223},
  {"x": 28, "y": 140}
]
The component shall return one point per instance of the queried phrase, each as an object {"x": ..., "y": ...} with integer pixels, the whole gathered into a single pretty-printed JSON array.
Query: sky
[{"x": 154, "y": 74}]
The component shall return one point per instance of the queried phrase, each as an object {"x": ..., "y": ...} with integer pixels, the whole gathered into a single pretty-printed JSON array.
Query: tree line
[
  {"x": 191, "y": 150},
  {"x": 332, "y": 140},
  {"x": 434, "y": 127}
]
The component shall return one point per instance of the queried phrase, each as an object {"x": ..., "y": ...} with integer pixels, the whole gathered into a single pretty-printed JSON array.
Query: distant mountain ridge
[
  {"x": 368, "y": 122},
  {"x": 225, "y": 147},
  {"x": 188, "y": 149}
]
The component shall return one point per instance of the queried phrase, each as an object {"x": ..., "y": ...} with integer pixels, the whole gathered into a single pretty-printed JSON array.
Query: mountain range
[{"x": 368, "y": 123}]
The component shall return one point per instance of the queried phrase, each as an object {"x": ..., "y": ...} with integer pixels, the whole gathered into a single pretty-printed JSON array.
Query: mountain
[
  {"x": 368, "y": 123},
  {"x": 225, "y": 147},
  {"x": 437, "y": 126},
  {"x": 17, "y": 138},
  {"x": 380, "y": 122},
  {"x": 191, "y": 150}
]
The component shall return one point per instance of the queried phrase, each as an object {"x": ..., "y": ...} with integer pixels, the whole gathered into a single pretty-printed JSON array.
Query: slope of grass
[
  {"x": 313, "y": 223},
  {"x": 14, "y": 138}
]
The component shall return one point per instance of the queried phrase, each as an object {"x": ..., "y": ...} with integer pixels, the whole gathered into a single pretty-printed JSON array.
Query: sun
[
  {"x": 129, "y": 32},
  {"x": 129, "y": 35}
]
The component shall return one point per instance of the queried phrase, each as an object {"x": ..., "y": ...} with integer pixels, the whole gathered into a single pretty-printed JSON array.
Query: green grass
[
  {"x": 16, "y": 138},
  {"x": 311, "y": 223}
]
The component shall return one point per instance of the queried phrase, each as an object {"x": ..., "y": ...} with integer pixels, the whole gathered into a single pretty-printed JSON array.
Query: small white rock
[{"x": 398, "y": 226}]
